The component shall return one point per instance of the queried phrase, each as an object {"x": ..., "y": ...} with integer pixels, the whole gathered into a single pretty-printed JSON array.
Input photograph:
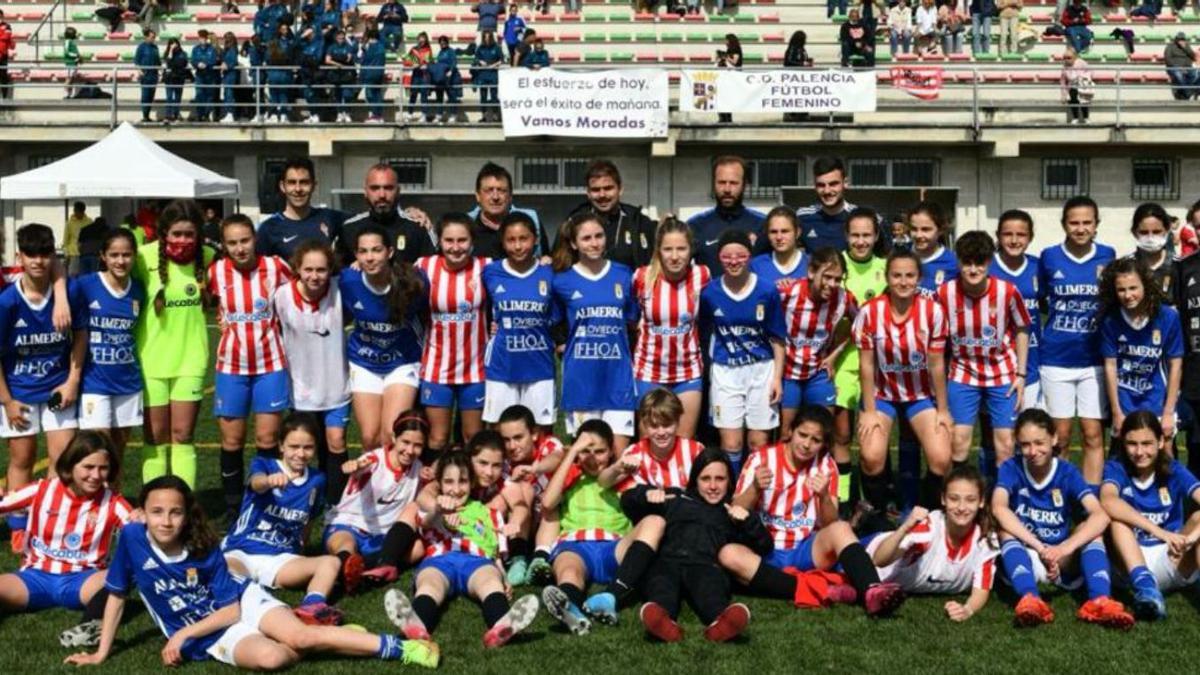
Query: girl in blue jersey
[
  {"x": 1034, "y": 500},
  {"x": 39, "y": 374},
  {"x": 786, "y": 263},
  {"x": 1141, "y": 340},
  {"x": 464, "y": 539},
  {"x": 928, "y": 226},
  {"x": 519, "y": 361},
  {"x": 174, "y": 562},
  {"x": 385, "y": 300},
  {"x": 105, "y": 306},
  {"x": 741, "y": 316},
  {"x": 595, "y": 296},
  {"x": 1146, "y": 493},
  {"x": 1072, "y": 366},
  {"x": 283, "y": 497}
]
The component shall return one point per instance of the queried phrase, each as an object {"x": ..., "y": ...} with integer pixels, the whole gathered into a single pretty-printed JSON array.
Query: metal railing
[
  {"x": 35, "y": 37},
  {"x": 970, "y": 97}
]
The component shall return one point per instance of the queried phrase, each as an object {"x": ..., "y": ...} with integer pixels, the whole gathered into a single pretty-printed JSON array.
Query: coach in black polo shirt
[
  {"x": 493, "y": 203},
  {"x": 409, "y": 237},
  {"x": 628, "y": 233},
  {"x": 729, "y": 185}
]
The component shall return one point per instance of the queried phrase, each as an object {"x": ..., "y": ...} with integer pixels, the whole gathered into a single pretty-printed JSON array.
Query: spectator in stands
[
  {"x": 175, "y": 74},
  {"x": 230, "y": 77},
  {"x": 230, "y": 7},
  {"x": 514, "y": 29},
  {"x": 628, "y": 233},
  {"x": 494, "y": 203},
  {"x": 1185, "y": 235},
  {"x": 111, "y": 14},
  {"x": 797, "y": 56},
  {"x": 149, "y": 62},
  {"x": 574, "y": 6},
  {"x": 518, "y": 54},
  {"x": 371, "y": 62},
  {"x": 254, "y": 51},
  {"x": 329, "y": 19},
  {"x": 71, "y": 57},
  {"x": 78, "y": 220},
  {"x": 900, "y": 27},
  {"x": 924, "y": 27},
  {"x": 267, "y": 20},
  {"x": 485, "y": 75},
  {"x": 981, "y": 25},
  {"x": 1180, "y": 60},
  {"x": 391, "y": 19},
  {"x": 729, "y": 187},
  {"x": 1149, "y": 9},
  {"x": 538, "y": 58},
  {"x": 407, "y": 230},
  {"x": 489, "y": 12},
  {"x": 280, "y": 76},
  {"x": 339, "y": 72},
  {"x": 951, "y": 22},
  {"x": 312, "y": 56},
  {"x": 730, "y": 57},
  {"x": 1010, "y": 17},
  {"x": 857, "y": 36},
  {"x": 147, "y": 14},
  {"x": 440, "y": 74},
  {"x": 418, "y": 59},
  {"x": 7, "y": 46},
  {"x": 1077, "y": 87},
  {"x": 832, "y": 6},
  {"x": 204, "y": 61},
  {"x": 1075, "y": 20}
]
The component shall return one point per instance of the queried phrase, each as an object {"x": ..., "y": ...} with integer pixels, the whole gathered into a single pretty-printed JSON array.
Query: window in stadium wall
[
  {"x": 1064, "y": 178},
  {"x": 1155, "y": 179},
  {"x": 270, "y": 199},
  {"x": 38, "y": 161},
  {"x": 552, "y": 173},
  {"x": 413, "y": 172},
  {"x": 882, "y": 172},
  {"x": 767, "y": 176}
]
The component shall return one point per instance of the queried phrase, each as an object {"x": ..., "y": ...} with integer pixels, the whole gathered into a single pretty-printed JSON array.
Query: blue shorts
[
  {"x": 964, "y": 404},
  {"x": 366, "y": 543},
  {"x": 816, "y": 390},
  {"x": 467, "y": 396},
  {"x": 799, "y": 557},
  {"x": 599, "y": 558},
  {"x": 337, "y": 418},
  {"x": 456, "y": 566},
  {"x": 48, "y": 590},
  {"x": 239, "y": 395},
  {"x": 910, "y": 409},
  {"x": 643, "y": 387}
]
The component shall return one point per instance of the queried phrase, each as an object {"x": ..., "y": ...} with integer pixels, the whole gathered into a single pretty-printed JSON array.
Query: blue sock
[
  {"x": 391, "y": 647},
  {"x": 1094, "y": 561},
  {"x": 1142, "y": 580},
  {"x": 17, "y": 521},
  {"x": 908, "y": 477},
  {"x": 736, "y": 458},
  {"x": 1019, "y": 567},
  {"x": 313, "y": 598}
]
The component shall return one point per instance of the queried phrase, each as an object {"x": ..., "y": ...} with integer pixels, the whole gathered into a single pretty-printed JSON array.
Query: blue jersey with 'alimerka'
[
  {"x": 1162, "y": 502},
  {"x": 108, "y": 316},
  {"x": 1025, "y": 278},
  {"x": 36, "y": 357},
  {"x": 767, "y": 269},
  {"x": 1070, "y": 287},
  {"x": 936, "y": 270},
  {"x": 1044, "y": 508},
  {"x": 375, "y": 343},
  {"x": 740, "y": 328},
  {"x": 177, "y": 591},
  {"x": 521, "y": 350},
  {"x": 597, "y": 365},
  {"x": 275, "y": 521},
  {"x": 1142, "y": 355}
]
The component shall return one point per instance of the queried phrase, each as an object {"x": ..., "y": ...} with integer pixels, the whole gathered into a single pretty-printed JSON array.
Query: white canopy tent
[{"x": 124, "y": 164}]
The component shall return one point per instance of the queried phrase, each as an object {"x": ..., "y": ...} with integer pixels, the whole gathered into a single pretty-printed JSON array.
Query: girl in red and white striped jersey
[
  {"x": 464, "y": 540},
  {"x": 452, "y": 359},
  {"x": 251, "y": 366},
  {"x": 901, "y": 337},
  {"x": 72, "y": 518},
  {"x": 667, "y": 353},
  {"x": 813, "y": 308},
  {"x": 949, "y": 551}
]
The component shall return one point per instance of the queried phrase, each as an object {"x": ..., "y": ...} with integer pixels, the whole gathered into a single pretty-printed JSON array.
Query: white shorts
[
  {"x": 1033, "y": 397},
  {"x": 740, "y": 396},
  {"x": 261, "y": 569},
  {"x": 41, "y": 418},
  {"x": 363, "y": 381},
  {"x": 537, "y": 396},
  {"x": 1165, "y": 571},
  {"x": 621, "y": 421},
  {"x": 1042, "y": 577},
  {"x": 255, "y": 604},
  {"x": 115, "y": 411},
  {"x": 1074, "y": 392}
]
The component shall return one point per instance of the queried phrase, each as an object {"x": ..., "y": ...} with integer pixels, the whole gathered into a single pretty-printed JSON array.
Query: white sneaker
[
  {"x": 228, "y": 119},
  {"x": 374, "y": 119},
  {"x": 257, "y": 119},
  {"x": 313, "y": 119}
]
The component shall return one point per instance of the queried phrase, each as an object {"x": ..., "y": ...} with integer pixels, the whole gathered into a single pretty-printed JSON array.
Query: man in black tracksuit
[
  {"x": 409, "y": 237},
  {"x": 628, "y": 232}
]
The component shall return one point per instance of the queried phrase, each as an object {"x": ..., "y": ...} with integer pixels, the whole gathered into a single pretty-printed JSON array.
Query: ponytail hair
[
  {"x": 669, "y": 225},
  {"x": 197, "y": 535},
  {"x": 178, "y": 211},
  {"x": 565, "y": 254},
  {"x": 984, "y": 520},
  {"x": 404, "y": 283}
]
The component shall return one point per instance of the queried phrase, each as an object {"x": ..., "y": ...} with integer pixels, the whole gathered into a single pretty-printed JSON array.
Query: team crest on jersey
[
  {"x": 684, "y": 317},
  {"x": 73, "y": 540},
  {"x": 193, "y": 577},
  {"x": 190, "y": 289},
  {"x": 939, "y": 277},
  {"x": 542, "y": 290},
  {"x": 401, "y": 242},
  {"x": 1035, "y": 284},
  {"x": 137, "y": 308},
  {"x": 1099, "y": 271},
  {"x": 917, "y": 358},
  {"x": 989, "y": 332},
  {"x": 324, "y": 228},
  {"x": 1156, "y": 337},
  {"x": 628, "y": 238},
  {"x": 1164, "y": 496},
  {"x": 759, "y": 312},
  {"x": 869, "y": 294},
  {"x": 643, "y": 239},
  {"x": 1056, "y": 497},
  {"x": 260, "y": 304},
  {"x": 618, "y": 291}
]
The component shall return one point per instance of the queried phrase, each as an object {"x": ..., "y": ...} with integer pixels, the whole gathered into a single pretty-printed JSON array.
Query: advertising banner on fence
[
  {"x": 923, "y": 82},
  {"x": 777, "y": 91},
  {"x": 606, "y": 104}
]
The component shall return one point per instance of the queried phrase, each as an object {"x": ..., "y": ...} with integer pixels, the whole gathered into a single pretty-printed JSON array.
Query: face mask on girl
[
  {"x": 1152, "y": 243},
  {"x": 181, "y": 252}
]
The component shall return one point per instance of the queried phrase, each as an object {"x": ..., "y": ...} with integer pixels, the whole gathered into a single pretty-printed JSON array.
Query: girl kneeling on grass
[
  {"x": 700, "y": 520},
  {"x": 266, "y": 542},
  {"x": 1146, "y": 493},
  {"x": 1034, "y": 499},
  {"x": 948, "y": 551},
  {"x": 464, "y": 540},
  {"x": 175, "y": 563}
]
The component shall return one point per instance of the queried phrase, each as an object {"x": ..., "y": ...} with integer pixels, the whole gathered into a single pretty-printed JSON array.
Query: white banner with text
[
  {"x": 606, "y": 104},
  {"x": 777, "y": 91}
]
